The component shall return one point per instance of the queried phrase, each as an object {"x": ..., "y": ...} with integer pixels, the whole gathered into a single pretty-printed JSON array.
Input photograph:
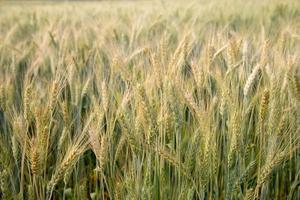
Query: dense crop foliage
[{"x": 150, "y": 100}]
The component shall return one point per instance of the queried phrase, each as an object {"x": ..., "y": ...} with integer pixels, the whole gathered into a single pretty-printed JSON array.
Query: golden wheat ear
[{"x": 73, "y": 153}]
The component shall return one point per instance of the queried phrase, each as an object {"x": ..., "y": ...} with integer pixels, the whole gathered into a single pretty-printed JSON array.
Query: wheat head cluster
[{"x": 143, "y": 100}]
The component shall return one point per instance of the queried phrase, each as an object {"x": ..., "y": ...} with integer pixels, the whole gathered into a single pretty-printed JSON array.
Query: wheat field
[{"x": 142, "y": 100}]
